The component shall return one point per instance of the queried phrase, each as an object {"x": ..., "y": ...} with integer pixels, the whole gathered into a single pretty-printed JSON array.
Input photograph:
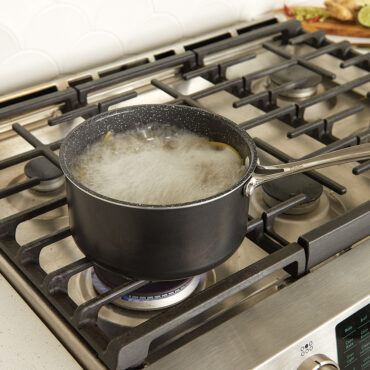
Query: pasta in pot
[{"x": 158, "y": 165}]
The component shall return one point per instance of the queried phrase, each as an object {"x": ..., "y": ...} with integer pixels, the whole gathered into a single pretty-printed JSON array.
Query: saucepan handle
[{"x": 264, "y": 174}]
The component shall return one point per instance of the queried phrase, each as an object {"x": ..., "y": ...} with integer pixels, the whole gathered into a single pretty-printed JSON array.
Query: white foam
[{"x": 158, "y": 164}]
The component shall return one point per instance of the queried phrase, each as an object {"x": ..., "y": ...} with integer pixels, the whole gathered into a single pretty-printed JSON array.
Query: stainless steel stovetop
[{"x": 262, "y": 315}]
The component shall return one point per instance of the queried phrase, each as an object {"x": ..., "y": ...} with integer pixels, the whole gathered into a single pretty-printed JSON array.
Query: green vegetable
[
  {"x": 363, "y": 16},
  {"x": 303, "y": 13}
]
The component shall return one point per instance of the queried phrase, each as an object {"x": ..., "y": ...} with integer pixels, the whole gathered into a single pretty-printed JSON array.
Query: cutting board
[{"x": 335, "y": 27}]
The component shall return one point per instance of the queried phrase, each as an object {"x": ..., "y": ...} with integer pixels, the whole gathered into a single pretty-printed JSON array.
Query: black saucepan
[{"x": 157, "y": 242}]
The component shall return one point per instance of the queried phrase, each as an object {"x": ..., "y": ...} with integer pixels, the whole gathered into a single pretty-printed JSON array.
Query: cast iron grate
[{"x": 132, "y": 347}]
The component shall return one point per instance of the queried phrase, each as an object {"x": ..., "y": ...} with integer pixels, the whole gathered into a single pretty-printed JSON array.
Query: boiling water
[{"x": 158, "y": 164}]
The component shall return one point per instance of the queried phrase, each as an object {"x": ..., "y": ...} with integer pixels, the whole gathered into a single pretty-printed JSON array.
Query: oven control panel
[
  {"x": 353, "y": 340},
  {"x": 353, "y": 345}
]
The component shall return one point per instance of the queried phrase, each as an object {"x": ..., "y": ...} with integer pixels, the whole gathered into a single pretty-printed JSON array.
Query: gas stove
[{"x": 296, "y": 292}]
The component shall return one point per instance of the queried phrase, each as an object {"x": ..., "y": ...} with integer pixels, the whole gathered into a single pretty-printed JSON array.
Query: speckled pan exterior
[{"x": 157, "y": 242}]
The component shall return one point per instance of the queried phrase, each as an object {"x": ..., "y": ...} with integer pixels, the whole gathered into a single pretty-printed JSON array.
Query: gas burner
[
  {"x": 280, "y": 190},
  {"x": 114, "y": 316},
  {"x": 292, "y": 225},
  {"x": 296, "y": 73},
  {"x": 29, "y": 198},
  {"x": 154, "y": 296},
  {"x": 312, "y": 113},
  {"x": 51, "y": 177}
]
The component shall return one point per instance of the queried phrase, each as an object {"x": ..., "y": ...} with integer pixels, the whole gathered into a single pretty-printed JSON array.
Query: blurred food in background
[
  {"x": 337, "y": 18},
  {"x": 346, "y": 10},
  {"x": 343, "y": 10}
]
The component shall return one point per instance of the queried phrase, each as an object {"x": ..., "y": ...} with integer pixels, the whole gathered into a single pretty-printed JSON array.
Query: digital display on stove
[{"x": 353, "y": 341}]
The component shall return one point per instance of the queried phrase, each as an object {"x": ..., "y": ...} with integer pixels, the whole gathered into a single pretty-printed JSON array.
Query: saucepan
[{"x": 170, "y": 242}]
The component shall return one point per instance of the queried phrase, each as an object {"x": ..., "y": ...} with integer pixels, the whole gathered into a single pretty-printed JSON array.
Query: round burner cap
[
  {"x": 154, "y": 296},
  {"x": 296, "y": 73},
  {"x": 42, "y": 168},
  {"x": 290, "y": 186},
  {"x": 51, "y": 177}
]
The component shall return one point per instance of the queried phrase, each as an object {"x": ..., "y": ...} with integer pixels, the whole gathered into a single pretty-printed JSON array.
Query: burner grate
[
  {"x": 325, "y": 125},
  {"x": 54, "y": 287},
  {"x": 187, "y": 60},
  {"x": 322, "y": 179},
  {"x": 83, "y": 318},
  {"x": 90, "y": 110},
  {"x": 67, "y": 97}
]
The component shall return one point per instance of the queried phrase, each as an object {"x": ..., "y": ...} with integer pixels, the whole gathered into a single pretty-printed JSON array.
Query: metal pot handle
[{"x": 264, "y": 174}]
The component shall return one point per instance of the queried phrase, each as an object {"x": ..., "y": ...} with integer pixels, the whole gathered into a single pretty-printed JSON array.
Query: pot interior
[{"x": 199, "y": 121}]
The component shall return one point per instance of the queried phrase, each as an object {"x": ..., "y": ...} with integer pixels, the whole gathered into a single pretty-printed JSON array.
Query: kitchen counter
[{"x": 25, "y": 342}]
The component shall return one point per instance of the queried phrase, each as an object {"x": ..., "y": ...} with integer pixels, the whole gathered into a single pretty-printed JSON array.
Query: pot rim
[{"x": 246, "y": 137}]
